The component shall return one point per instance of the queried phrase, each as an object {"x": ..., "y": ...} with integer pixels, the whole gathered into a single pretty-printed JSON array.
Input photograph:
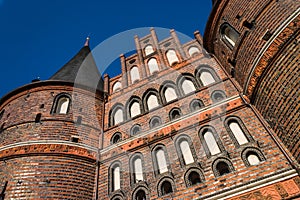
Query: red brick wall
[
  {"x": 18, "y": 121},
  {"x": 48, "y": 176}
]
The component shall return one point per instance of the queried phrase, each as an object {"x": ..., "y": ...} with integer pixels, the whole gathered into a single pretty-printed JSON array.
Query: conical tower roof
[{"x": 81, "y": 70}]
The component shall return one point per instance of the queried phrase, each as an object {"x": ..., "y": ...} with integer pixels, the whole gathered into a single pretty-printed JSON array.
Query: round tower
[
  {"x": 50, "y": 134},
  {"x": 258, "y": 43}
]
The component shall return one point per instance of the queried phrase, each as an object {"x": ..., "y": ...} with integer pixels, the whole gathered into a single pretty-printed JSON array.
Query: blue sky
[{"x": 37, "y": 37}]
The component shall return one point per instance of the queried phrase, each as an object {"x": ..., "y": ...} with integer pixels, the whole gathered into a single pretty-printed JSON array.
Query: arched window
[
  {"x": 116, "y": 115},
  {"x": 115, "y": 176},
  {"x": 160, "y": 161},
  {"x": 117, "y": 86},
  {"x": 253, "y": 159},
  {"x": 148, "y": 50},
  {"x": 252, "y": 156},
  {"x": 211, "y": 143},
  {"x": 206, "y": 78},
  {"x": 210, "y": 140},
  {"x": 116, "y": 138},
  {"x": 186, "y": 83},
  {"x": 135, "y": 109},
  {"x": 229, "y": 35},
  {"x": 61, "y": 104},
  {"x": 196, "y": 104},
  {"x": 134, "y": 74},
  {"x": 193, "y": 51},
  {"x": 153, "y": 66},
  {"x": 140, "y": 195},
  {"x": 218, "y": 96},
  {"x": 206, "y": 75},
  {"x": 237, "y": 131},
  {"x": 170, "y": 94},
  {"x": 136, "y": 129},
  {"x": 152, "y": 102},
  {"x": 222, "y": 166},
  {"x": 193, "y": 176},
  {"x": 136, "y": 168},
  {"x": 186, "y": 152},
  {"x": 166, "y": 188},
  {"x": 174, "y": 114},
  {"x": 155, "y": 121},
  {"x": 172, "y": 57}
]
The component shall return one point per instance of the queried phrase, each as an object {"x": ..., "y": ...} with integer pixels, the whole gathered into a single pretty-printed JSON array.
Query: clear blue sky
[{"x": 37, "y": 37}]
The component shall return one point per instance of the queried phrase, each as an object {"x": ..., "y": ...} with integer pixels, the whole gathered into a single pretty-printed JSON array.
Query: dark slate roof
[{"x": 81, "y": 70}]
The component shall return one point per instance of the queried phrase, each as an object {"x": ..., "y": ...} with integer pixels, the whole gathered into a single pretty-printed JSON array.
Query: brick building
[{"x": 179, "y": 122}]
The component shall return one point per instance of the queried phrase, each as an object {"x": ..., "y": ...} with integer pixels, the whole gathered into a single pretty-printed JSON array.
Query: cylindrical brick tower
[
  {"x": 258, "y": 43},
  {"x": 50, "y": 134}
]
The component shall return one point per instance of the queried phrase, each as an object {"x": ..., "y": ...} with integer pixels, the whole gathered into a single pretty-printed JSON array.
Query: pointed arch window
[
  {"x": 148, "y": 50},
  {"x": 153, "y": 66},
  {"x": 193, "y": 51},
  {"x": 172, "y": 57},
  {"x": 134, "y": 74}
]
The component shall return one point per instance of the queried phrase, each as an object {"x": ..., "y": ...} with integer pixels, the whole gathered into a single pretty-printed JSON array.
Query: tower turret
[
  {"x": 50, "y": 134},
  {"x": 258, "y": 43}
]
